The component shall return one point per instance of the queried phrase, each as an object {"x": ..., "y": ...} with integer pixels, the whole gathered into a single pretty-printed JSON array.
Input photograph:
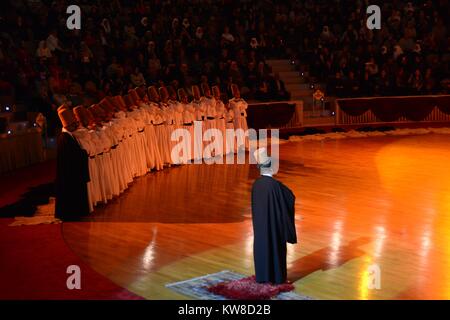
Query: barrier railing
[
  {"x": 275, "y": 115},
  {"x": 434, "y": 108}
]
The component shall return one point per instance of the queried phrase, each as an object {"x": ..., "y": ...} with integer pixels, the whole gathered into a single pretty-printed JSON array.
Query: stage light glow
[
  {"x": 365, "y": 277},
  {"x": 380, "y": 236},
  {"x": 149, "y": 253},
  {"x": 336, "y": 242}
]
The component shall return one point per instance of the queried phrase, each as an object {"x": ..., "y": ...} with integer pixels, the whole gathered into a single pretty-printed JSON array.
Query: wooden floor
[{"x": 379, "y": 200}]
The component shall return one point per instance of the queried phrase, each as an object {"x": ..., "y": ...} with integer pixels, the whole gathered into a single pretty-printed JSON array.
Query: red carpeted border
[
  {"x": 16, "y": 183},
  {"x": 249, "y": 289},
  {"x": 34, "y": 261}
]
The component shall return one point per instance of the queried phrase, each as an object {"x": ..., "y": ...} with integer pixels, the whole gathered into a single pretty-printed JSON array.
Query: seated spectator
[
  {"x": 43, "y": 52},
  {"x": 277, "y": 88},
  {"x": 415, "y": 81},
  {"x": 137, "y": 78},
  {"x": 352, "y": 87},
  {"x": 228, "y": 43}
]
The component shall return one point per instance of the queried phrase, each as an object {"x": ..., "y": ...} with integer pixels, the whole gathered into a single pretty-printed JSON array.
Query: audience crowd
[{"x": 126, "y": 44}]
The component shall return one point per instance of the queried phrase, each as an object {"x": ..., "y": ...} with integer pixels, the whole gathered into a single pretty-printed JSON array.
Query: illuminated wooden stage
[{"x": 383, "y": 200}]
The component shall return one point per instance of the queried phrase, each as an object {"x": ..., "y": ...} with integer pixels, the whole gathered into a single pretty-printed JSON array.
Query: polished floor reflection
[{"x": 380, "y": 202}]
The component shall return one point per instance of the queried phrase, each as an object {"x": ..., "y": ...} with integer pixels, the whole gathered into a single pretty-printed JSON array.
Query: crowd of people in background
[
  {"x": 409, "y": 55},
  {"x": 124, "y": 44}
]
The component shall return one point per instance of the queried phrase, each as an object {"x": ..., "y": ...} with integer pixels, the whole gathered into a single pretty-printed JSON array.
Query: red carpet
[
  {"x": 249, "y": 289},
  {"x": 34, "y": 260},
  {"x": 16, "y": 183}
]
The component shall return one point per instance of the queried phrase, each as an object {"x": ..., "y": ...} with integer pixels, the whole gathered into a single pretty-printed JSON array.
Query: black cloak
[
  {"x": 72, "y": 176},
  {"x": 273, "y": 214}
]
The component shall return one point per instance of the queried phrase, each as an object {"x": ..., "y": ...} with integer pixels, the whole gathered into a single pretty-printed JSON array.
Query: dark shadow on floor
[
  {"x": 29, "y": 201},
  {"x": 320, "y": 259}
]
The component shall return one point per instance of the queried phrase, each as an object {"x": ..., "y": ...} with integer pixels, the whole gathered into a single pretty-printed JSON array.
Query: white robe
[
  {"x": 221, "y": 121},
  {"x": 188, "y": 125},
  {"x": 156, "y": 161},
  {"x": 170, "y": 125},
  {"x": 121, "y": 167},
  {"x": 239, "y": 107},
  {"x": 121, "y": 132},
  {"x": 161, "y": 132},
  {"x": 200, "y": 112},
  {"x": 84, "y": 138},
  {"x": 105, "y": 162},
  {"x": 142, "y": 152},
  {"x": 210, "y": 112},
  {"x": 112, "y": 145},
  {"x": 230, "y": 144}
]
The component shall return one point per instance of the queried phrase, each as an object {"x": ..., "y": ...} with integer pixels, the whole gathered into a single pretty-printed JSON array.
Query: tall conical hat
[
  {"x": 216, "y": 91},
  {"x": 67, "y": 117},
  {"x": 181, "y": 94},
  {"x": 172, "y": 92},
  {"x": 153, "y": 93},
  {"x": 134, "y": 96},
  {"x": 100, "y": 112},
  {"x": 80, "y": 115},
  {"x": 61, "y": 107},
  {"x": 234, "y": 88},
  {"x": 93, "y": 110},
  {"x": 128, "y": 101},
  {"x": 89, "y": 115},
  {"x": 195, "y": 90},
  {"x": 108, "y": 105},
  {"x": 141, "y": 92},
  {"x": 163, "y": 93},
  {"x": 205, "y": 88},
  {"x": 121, "y": 103},
  {"x": 113, "y": 102}
]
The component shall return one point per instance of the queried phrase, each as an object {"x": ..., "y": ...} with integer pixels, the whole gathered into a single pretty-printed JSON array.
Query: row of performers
[{"x": 101, "y": 149}]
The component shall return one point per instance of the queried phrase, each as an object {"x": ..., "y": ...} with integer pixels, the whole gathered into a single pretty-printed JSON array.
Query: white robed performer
[
  {"x": 139, "y": 114},
  {"x": 239, "y": 107},
  {"x": 130, "y": 156},
  {"x": 231, "y": 145},
  {"x": 140, "y": 142},
  {"x": 211, "y": 133},
  {"x": 96, "y": 195},
  {"x": 107, "y": 127},
  {"x": 84, "y": 138},
  {"x": 177, "y": 113},
  {"x": 156, "y": 161},
  {"x": 220, "y": 116},
  {"x": 102, "y": 146},
  {"x": 159, "y": 124},
  {"x": 200, "y": 112},
  {"x": 120, "y": 131},
  {"x": 188, "y": 124},
  {"x": 210, "y": 107},
  {"x": 115, "y": 133},
  {"x": 169, "y": 121}
]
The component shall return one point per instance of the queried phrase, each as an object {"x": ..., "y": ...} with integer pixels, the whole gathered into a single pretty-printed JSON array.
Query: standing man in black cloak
[
  {"x": 273, "y": 222},
  {"x": 72, "y": 173}
]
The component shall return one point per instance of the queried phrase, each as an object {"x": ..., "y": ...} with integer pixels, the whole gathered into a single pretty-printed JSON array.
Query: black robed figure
[
  {"x": 72, "y": 173},
  {"x": 273, "y": 216}
]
